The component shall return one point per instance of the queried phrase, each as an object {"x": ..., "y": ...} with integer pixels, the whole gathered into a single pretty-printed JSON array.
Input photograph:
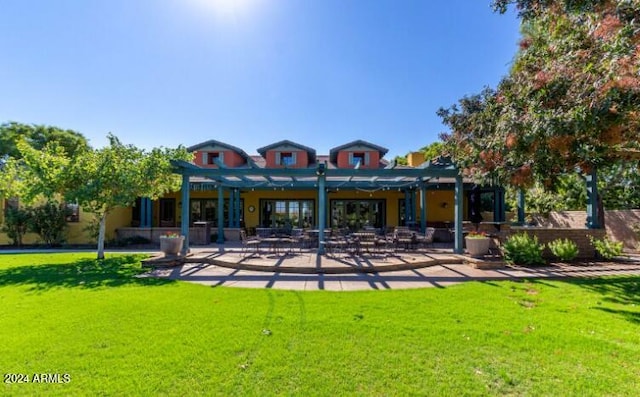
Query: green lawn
[{"x": 115, "y": 334}]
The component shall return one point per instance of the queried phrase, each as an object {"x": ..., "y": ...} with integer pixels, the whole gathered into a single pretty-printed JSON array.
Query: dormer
[
  {"x": 287, "y": 154},
  {"x": 214, "y": 153},
  {"x": 360, "y": 154}
]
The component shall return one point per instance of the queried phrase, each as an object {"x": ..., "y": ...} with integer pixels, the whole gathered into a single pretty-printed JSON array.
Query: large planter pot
[
  {"x": 171, "y": 246},
  {"x": 478, "y": 247}
]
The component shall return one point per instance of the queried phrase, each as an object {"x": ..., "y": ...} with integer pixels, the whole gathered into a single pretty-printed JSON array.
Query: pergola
[{"x": 322, "y": 178}]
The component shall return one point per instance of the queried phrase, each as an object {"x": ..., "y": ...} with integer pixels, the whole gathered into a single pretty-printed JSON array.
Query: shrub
[
  {"x": 16, "y": 223},
  {"x": 564, "y": 249},
  {"x": 606, "y": 248},
  {"x": 49, "y": 221},
  {"x": 131, "y": 240},
  {"x": 522, "y": 249}
]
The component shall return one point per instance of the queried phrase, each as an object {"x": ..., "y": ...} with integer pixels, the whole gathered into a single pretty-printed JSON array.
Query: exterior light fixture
[{"x": 321, "y": 169}]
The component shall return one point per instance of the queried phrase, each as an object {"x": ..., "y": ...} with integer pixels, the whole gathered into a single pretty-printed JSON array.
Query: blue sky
[{"x": 249, "y": 72}]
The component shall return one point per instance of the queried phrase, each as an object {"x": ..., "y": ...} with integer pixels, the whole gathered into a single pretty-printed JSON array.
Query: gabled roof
[
  {"x": 333, "y": 153},
  {"x": 213, "y": 142},
  {"x": 311, "y": 152}
]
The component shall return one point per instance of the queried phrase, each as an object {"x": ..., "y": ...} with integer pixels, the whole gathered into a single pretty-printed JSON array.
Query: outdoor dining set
[{"x": 336, "y": 241}]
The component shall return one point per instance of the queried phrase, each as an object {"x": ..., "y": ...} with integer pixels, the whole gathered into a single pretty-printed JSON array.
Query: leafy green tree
[
  {"x": 100, "y": 180},
  {"x": 570, "y": 101},
  {"x": 114, "y": 176},
  {"x": 38, "y": 136}
]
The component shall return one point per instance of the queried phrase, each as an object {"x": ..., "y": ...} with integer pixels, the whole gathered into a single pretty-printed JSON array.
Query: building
[{"x": 288, "y": 185}]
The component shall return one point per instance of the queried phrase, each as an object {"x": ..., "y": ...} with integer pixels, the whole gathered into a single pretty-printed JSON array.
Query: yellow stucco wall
[
  {"x": 439, "y": 208},
  {"x": 436, "y": 210},
  {"x": 75, "y": 233}
]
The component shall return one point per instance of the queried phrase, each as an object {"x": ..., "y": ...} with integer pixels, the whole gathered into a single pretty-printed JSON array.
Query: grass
[{"x": 116, "y": 334}]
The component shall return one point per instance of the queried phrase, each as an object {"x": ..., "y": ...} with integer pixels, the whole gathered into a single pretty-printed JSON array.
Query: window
[
  {"x": 287, "y": 158},
  {"x": 206, "y": 210},
  {"x": 357, "y": 158},
  {"x": 357, "y": 214},
  {"x": 287, "y": 213},
  {"x": 213, "y": 157},
  {"x": 167, "y": 212},
  {"x": 73, "y": 212}
]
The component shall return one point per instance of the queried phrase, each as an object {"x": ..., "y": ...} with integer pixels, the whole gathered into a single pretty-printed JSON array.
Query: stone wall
[{"x": 619, "y": 224}]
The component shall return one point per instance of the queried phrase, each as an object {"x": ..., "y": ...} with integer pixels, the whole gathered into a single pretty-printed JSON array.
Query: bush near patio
[
  {"x": 522, "y": 249},
  {"x": 564, "y": 249},
  {"x": 607, "y": 248},
  {"x": 118, "y": 334}
]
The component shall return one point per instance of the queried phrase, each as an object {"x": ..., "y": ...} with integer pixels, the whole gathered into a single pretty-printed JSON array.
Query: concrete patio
[{"x": 308, "y": 271}]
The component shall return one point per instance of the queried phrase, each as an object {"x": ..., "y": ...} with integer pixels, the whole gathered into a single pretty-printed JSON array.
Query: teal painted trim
[
  {"x": 310, "y": 172},
  {"x": 521, "y": 206},
  {"x": 458, "y": 215},
  {"x": 143, "y": 212},
  {"x": 184, "y": 224},
  {"x": 322, "y": 212},
  {"x": 593, "y": 221},
  {"x": 220, "y": 215},
  {"x": 149, "y": 212},
  {"x": 423, "y": 208}
]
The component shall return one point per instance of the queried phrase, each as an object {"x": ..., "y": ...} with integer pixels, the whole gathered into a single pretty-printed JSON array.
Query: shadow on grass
[
  {"x": 84, "y": 273},
  {"x": 616, "y": 290}
]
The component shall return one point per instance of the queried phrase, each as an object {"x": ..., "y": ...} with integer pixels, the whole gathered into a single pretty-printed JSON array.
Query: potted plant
[
  {"x": 171, "y": 243},
  {"x": 477, "y": 243}
]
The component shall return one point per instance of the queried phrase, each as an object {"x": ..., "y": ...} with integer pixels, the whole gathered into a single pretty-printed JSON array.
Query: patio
[{"x": 310, "y": 271}]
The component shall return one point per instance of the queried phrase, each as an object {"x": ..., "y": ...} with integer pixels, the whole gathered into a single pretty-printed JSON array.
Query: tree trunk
[{"x": 101, "y": 233}]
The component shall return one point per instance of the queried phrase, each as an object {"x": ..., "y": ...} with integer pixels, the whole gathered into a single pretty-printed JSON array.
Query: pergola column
[
  {"x": 521, "y": 205},
  {"x": 458, "y": 215},
  {"x": 145, "y": 212},
  {"x": 423, "y": 208},
  {"x": 220, "y": 215},
  {"x": 593, "y": 221},
  {"x": 498, "y": 204},
  {"x": 322, "y": 206},
  {"x": 185, "y": 214}
]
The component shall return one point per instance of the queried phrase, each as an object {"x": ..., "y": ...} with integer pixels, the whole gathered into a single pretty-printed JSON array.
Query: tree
[
  {"x": 38, "y": 136},
  {"x": 570, "y": 101},
  {"x": 114, "y": 176},
  {"x": 100, "y": 180}
]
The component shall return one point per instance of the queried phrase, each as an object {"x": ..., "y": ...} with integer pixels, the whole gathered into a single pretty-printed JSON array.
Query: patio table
[{"x": 275, "y": 243}]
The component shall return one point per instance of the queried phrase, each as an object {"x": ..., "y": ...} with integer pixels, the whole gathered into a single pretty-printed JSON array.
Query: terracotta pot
[
  {"x": 477, "y": 247},
  {"x": 171, "y": 246}
]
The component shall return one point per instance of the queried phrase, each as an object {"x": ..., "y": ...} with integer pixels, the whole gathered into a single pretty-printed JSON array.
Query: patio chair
[
  {"x": 427, "y": 238},
  {"x": 247, "y": 243},
  {"x": 297, "y": 238}
]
